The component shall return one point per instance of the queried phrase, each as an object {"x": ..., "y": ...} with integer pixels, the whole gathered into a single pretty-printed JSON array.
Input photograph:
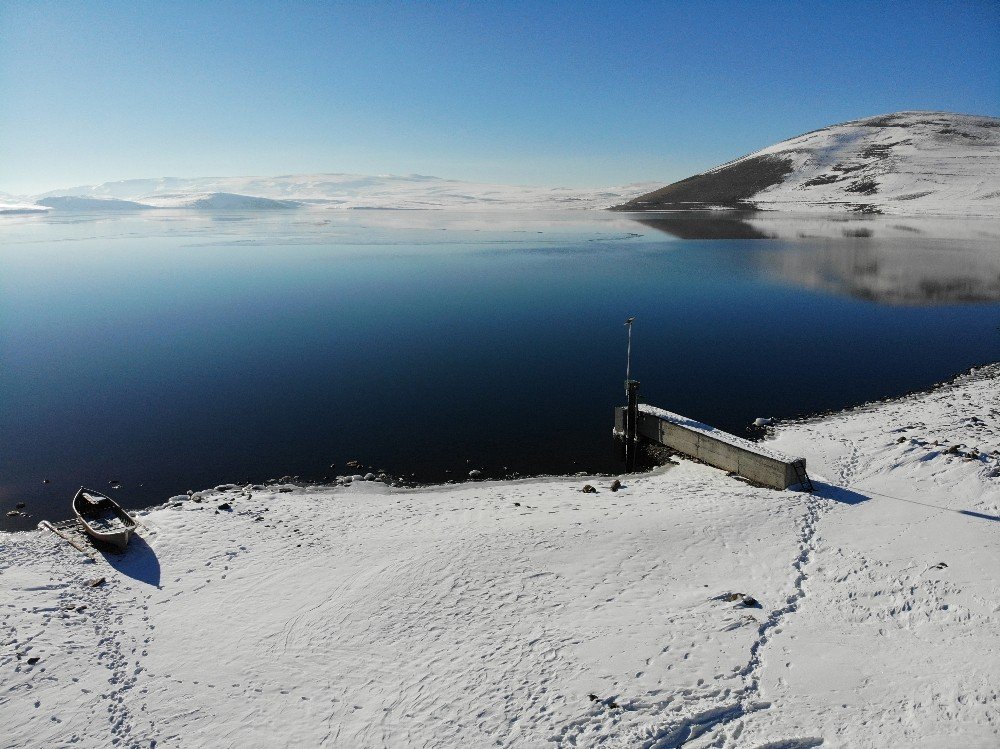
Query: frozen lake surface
[{"x": 182, "y": 350}]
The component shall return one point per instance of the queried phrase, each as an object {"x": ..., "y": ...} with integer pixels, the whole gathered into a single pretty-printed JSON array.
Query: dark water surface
[{"x": 180, "y": 350}]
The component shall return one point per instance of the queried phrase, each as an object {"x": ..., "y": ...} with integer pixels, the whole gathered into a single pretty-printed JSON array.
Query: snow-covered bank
[{"x": 688, "y": 608}]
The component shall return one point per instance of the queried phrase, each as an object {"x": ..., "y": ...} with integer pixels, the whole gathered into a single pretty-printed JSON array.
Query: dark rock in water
[
  {"x": 33, "y": 660},
  {"x": 115, "y": 484},
  {"x": 353, "y": 464},
  {"x": 19, "y": 505},
  {"x": 616, "y": 485},
  {"x": 226, "y": 506},
  {"x": 369, "y": 477},
  {"x": 588, "y": 489},
  {"x": 475, "y": 473},
  {"x": 96, "y": 582}
]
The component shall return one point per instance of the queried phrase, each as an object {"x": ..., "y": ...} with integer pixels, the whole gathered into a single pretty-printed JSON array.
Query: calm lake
[{"x": 175, "y": 350}]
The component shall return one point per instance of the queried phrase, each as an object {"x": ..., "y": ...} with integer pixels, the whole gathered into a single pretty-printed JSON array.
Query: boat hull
[{"x": 103, "y": 519}]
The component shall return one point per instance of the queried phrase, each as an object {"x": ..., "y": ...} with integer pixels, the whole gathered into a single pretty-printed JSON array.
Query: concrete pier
[{"x": 749, "y": 459}]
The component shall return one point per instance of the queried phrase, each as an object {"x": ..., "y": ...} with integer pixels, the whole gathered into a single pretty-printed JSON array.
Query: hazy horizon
[{"x": 515, "y": 93}]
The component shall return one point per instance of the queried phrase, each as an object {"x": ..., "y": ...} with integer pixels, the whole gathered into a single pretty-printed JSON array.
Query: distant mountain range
[
  {"x": 913, "y": 163},
  {"x": 335, "y": 191}
]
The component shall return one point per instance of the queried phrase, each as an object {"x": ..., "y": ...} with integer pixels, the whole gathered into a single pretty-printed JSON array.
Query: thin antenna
[
  {"x": 628, "y": 354},
  {"x": 631, "y": 393}
]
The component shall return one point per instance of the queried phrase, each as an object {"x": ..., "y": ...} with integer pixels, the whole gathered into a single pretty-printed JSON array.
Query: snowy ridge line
[
  {"x": 905, "y": 163},
  {"x": 717, "y": 434},
  {"x": 319, "y": 192}
]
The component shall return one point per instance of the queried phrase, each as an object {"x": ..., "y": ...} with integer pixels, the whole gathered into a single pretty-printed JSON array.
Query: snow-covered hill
[
  {"x": 76, "y": 203},
  {"x": 413, "y": 191},
  {"x": 902, "y": 163}
]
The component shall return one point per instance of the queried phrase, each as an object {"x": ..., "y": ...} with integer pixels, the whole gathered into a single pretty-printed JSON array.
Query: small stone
[
  {"x": 15, "y": 514},
  {"x": 96, "y": 582},
  {"x": 33, "y": 660},
  {"x": 901, "y": 440},
  {"x": 517, "y": 504},
  {"x": 226, "y": 506},
  {"x": 369, "y": 477},
  {"x": 616, "y": 485},
  {"x": 588, "y": 489},
  {"x": 284, "y": 488},
  {"x": 475, "y": 473}
]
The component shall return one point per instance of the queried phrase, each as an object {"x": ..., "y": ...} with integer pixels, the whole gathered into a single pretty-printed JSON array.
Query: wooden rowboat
[{"x": 103, "y": 519}]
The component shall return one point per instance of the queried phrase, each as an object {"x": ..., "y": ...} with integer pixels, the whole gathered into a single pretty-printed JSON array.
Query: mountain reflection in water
[{"x": 891, "y": 260}]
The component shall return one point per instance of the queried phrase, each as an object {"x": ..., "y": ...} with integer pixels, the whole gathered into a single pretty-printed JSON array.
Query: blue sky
[{"x": 550, "y": 93}]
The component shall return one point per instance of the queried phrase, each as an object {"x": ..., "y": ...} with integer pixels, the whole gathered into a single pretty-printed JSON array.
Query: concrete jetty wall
[{"x": 723, "y": 450}]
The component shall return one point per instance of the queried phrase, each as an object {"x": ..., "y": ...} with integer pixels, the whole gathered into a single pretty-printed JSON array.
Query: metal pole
[
  {"x": 628, "y": 353},
  {"x": 631, "y": 419},
  {"x": 632, "y": 410}
]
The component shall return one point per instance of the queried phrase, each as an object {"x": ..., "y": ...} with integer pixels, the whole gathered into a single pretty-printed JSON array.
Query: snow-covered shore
[{"x": 688, "y": 608}]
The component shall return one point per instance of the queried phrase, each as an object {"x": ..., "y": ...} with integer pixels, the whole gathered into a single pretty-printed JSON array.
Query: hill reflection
[{"x": 890, "y": 260}]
